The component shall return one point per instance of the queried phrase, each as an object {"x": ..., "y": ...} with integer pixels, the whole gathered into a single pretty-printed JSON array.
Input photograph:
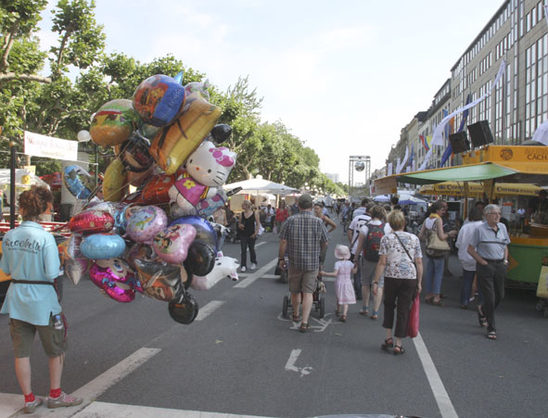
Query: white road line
[
  {"x": 260, "y": 243},
  {"x": 440, "y": 394},
  {"x": 95, "y": 388},
  {"x": 290, "y": 365},
  {"x": 258, "y": 274},
  {"x": 208, "y": 309}
]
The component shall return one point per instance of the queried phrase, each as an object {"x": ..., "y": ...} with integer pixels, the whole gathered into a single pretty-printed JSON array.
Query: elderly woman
[
  {"x": 435, "y": 264},
  {"x": 400, "y": 260}
]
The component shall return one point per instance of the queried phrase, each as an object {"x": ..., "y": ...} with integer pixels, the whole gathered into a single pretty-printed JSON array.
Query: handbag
[
  {"x": 436, "y": 247},
  {"x": 413, "y": 323}
]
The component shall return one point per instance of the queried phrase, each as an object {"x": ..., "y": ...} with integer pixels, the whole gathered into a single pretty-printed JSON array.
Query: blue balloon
[
  {"x": 179, "y": 78},
  {"x": 102, "y": 246},
  {"x": 77, "y": 181},
  {"x": 204, "y": 230}
]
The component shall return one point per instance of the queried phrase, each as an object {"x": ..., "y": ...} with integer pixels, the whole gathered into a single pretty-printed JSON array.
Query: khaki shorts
[
  {"x": 302, "y": 281},
  {"x": 22, "y": 334}
]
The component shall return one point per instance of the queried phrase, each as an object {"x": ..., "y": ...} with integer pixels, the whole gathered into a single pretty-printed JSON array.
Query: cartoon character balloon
[
  {"x": 160, "y": 280},
  {"x": 145, "y": 222},
  {"x": 206, "y": 170},
  {"x": 113, "y": 122},
  {"x": 158, "y": 99},
  {"x": 78, "y": 181},
  {"x": 171, "y": 245},
  {"x": 116, "y": 279}
]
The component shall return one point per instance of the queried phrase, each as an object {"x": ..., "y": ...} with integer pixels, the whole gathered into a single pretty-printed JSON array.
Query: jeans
[
  {"x": 244, "y": 243},
  {"x": 466, "y": 290},
  {"x": 434, "y": 274}
]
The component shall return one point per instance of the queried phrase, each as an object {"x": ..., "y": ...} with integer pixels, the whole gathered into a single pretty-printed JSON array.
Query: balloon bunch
[{"x": 157, "y": 240}]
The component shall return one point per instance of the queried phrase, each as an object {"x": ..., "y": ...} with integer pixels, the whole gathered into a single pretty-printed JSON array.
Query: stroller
[{"x": 318, "y": 300}]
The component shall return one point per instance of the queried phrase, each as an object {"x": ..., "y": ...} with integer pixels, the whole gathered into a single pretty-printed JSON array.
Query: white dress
[{"x": 343, "y": 284}]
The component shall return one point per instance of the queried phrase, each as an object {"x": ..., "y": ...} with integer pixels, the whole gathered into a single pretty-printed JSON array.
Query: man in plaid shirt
[{"x": 304, "y": 237}]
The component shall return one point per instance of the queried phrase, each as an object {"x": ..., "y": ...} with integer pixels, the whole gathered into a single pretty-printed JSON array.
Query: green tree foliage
[{"x": 81, "y": 78}]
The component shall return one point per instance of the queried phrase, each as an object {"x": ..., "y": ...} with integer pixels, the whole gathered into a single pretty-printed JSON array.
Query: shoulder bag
[{"x": 436, "y": 247}]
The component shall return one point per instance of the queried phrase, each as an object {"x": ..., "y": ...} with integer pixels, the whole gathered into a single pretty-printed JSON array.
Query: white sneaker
[
  {"x": 243, "y": 269},
  {"x": 253, "y": 266}
]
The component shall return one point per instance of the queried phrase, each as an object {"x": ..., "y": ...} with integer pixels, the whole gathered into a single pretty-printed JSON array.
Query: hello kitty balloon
[{"x": 205, "y": 171}]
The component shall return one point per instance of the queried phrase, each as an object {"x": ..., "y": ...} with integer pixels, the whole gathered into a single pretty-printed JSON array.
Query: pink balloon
[
  {"x": 145, "y": 222},
  {"x": 171, "y": 245},
  {"x": 117, "y": 280}
]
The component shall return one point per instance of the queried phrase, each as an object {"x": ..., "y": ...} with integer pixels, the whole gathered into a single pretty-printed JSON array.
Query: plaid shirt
[{"x": 304, "y": 232}]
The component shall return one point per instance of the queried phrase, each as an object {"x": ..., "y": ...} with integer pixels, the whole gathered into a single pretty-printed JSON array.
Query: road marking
[
  {"x": 440, "y": 394},
  {"x": 208, "y": 309},
  {"x": 258, "y": 274},
  {"x": 95, "y": 388},
  {"x": 320, "y": 326},
  {"x": 290, "y": 365},
  {"x": 260, "y": 243}
]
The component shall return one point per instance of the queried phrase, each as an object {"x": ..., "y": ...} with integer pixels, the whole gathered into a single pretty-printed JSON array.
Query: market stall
[{"x": 496, "y": 167}]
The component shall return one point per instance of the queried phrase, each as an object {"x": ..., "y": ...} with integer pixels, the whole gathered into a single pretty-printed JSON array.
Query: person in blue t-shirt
[{"x": 30, "y": 256}]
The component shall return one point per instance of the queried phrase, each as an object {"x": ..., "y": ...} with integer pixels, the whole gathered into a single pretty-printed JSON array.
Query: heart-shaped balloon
[
  {"x": 204, "y": 230},
  {"x": 171, "y": 245},
  {"x": 145, "y": 222}
]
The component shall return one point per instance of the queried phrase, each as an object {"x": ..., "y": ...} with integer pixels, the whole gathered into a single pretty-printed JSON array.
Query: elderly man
[
  {"x": 489, "y": 247},
  {"x": 304, "y": 237}
]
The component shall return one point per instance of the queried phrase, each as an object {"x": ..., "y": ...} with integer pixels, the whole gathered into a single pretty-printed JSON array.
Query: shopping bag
[{"x": 413, "y": 324}]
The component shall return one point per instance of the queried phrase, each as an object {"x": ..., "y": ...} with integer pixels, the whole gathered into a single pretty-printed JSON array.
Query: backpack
[{"x": 373, "y": 242}]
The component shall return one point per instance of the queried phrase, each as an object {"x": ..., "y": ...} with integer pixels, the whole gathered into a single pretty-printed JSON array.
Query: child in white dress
[{"x": 344, "y": 290}]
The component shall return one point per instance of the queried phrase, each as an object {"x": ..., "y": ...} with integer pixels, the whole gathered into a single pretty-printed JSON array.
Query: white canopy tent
[
  {"x": 258, "y": 185},
  {"x": 23, "y": 178}
]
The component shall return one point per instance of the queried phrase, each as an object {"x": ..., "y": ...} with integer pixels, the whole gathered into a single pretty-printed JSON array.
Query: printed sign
[{"x": 47, "y": 146}]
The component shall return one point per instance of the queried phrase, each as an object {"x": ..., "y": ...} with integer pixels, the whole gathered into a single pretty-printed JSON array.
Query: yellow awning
[{"x": 456, "y": 188}]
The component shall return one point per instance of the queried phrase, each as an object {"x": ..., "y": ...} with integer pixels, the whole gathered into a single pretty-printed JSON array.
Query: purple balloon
[
  {"x": 145, "y": 222},
  {"x": 204, "y": 230},
  {"x": 171, "y": 245},
  {"x": 118, "y": 280}
]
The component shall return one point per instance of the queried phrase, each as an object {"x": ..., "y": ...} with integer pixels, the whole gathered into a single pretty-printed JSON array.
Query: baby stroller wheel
[
  {"x": 321, "y": 302},
  {"x": 285, "y": 307}
]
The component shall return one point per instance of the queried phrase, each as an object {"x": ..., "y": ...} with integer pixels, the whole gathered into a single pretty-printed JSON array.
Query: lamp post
[{"x": 13, "y": 144}]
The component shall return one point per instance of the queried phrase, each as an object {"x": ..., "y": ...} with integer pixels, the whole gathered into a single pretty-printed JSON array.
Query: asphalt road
[{"x": 241, "y": 357}]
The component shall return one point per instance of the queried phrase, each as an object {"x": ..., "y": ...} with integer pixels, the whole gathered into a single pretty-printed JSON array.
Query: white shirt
[
  {"x": 463, "y": 240},
  {"x": 357, "y": 222}
]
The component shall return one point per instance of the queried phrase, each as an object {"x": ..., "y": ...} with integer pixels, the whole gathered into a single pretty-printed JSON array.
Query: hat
[
  {"x": 342, "y": 252},
  {"x": 305, "y": 201}
]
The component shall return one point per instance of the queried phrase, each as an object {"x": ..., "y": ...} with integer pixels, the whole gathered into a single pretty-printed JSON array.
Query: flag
[
  {"x": 401, "y": 164},
  {"x": 424, "y": 142},
  {"x": 412, "y": 156}
]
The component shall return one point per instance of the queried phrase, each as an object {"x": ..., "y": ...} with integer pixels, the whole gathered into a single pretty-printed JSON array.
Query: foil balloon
[
  {"x": 113, "y": 122},
  {"x": 74, "y": 264},
  {"x": 158, "y": 99},
  {"x": 149, "y": 131},
  {"x": 141, "y": 252},
  {"x": 179, "y": 77},
  {"x": 204, "y": 230},
  {"x": 206, "y": 170},
  {"x": 154, "y": 192},
  {"x": 200, "y": 259},
  {"x": 102, "y": 246},
  {"x": 138, "y": 179},
  {"x": 91, "y": 220},
  {"x": 207, "y": 207},
  {"x": 160, "y": 280},
  {"x": 115, "y": 181},
  {"x": 116, "y": 279},
  {"x": 225, "y": 267},
  {"x": 145, "y": 222},
  {"x": 78, "y": 181},
  {"x": 171, "y": 245},
  {"x": 220, "y": 133},
  {"x": 198, "y": 87},
  {"x": 134, "y": 154},
  {"x": 174, "y": 143},
  {"x": 183, "y": 309}
]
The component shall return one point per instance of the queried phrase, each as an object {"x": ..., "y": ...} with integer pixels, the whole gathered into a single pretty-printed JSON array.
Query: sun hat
[{"x": 342, "y": 252}]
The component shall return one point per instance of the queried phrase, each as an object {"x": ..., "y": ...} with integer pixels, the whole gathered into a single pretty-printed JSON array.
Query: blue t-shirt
[{"x": 30, "y": 253}]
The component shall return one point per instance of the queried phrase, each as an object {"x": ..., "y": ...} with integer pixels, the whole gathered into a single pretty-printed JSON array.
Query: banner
[{"x": 38, "y": 145}]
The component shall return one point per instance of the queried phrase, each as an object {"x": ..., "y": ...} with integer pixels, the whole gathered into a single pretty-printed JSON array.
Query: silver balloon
[
  {"x": 359, "y": 166},
  {"x": 83, "y": 136}
]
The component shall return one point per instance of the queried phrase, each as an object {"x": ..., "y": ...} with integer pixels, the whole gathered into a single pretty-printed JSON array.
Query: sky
[{"x": 343, "y": 76}]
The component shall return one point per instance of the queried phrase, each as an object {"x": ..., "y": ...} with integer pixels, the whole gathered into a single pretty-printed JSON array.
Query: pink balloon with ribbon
[{"x": 171, "y": 245}]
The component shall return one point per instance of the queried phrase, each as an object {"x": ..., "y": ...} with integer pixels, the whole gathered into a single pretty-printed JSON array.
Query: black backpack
[{"x": 373, "y": 242}]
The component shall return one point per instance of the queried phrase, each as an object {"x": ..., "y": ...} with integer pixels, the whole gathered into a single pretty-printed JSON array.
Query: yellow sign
[{"x": 456, "y": 188}]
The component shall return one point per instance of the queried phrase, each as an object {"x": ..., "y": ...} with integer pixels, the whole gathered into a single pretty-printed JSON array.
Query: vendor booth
[{"x": 500, "y": 171}]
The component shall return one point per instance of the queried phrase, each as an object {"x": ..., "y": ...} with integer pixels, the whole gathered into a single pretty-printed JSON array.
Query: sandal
[
  {"x": 375, "y": 315},
  {"x": 364, "y": 310},
  {"x": 342, "y": 318},
  {"x": 436, "y": 302},
  {"x": 429, "y": 300},
  {"x": 304, "y": 327},
  {"x": 388, "y": 343},
  {"x": 482, "y": 319},
  {"x": 296, "y": 318},
  {"x": 398, "y": 349},
  {"x": 492, "y": 335}
]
